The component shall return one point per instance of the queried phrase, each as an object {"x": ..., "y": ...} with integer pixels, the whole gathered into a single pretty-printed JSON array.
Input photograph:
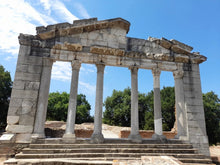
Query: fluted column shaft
[
  {"x": 97, "y": 136},
  {"x": 134, "y": 135},
  {"x": 71, "y": 117},
  {"x": 179, "y": 97},
  {"x": 43, "y": 99}
]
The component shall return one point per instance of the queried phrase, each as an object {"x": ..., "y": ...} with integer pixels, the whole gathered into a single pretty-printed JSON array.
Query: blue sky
[{"x": 193, "y": 22}]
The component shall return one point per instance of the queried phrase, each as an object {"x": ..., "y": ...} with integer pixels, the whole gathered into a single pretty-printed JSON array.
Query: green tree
[
  {"x": 5, "y": 93},
  {"x": 212, "y": 115},
  {"x": 168, "y": 107},
  {"x": 58, "y": 107},
  {"x": 118, "y": 107}
]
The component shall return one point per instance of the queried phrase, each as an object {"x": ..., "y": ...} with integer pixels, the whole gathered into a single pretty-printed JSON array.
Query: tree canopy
[
  {"x": 58, "y": 107},
  {"x": 212, "y": 116},
  {"x": 118, "y": 107},
  {"x": 5, "y": 93}
]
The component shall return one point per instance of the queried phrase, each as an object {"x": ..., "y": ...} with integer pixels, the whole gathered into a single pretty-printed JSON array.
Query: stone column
[
  {"x": 71, "y": 117},
  {"x": 134, "y": 135},
  {"x": 180, "y": 110},
  {"x": 41, "y": 113},
  {"x": 97, "y": 136},
  {"x": 158, "y": 129}
]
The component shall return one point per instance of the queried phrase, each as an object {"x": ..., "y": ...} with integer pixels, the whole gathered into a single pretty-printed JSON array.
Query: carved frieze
[
  {"x": 68, "y": 46},
  {"x": 106, "y": 51}
]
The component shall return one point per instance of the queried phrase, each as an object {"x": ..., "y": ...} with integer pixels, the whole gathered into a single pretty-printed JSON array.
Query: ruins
[{"x": 104, "y": 43}]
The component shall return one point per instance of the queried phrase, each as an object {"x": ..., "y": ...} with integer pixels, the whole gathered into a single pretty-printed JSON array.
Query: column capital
[
  {"x": 156, "y": 72},
  {"x": 133, "y": 68},
  {"x": 100, "y": 67},
  {"x": 76, "y": 64},
  {"x": 178, "y": 74}
]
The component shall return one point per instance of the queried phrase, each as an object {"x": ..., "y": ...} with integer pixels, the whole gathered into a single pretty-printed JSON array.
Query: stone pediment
[
  {"x": 105, "y": 38},
  {"x": 80, "y": 26}
]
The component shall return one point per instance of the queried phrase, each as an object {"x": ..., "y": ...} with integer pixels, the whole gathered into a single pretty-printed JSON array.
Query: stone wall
[{"x": 147, "y": 134}]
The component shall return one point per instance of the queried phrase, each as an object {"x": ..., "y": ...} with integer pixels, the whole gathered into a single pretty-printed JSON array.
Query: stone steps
[
  {"x": 71, "y": 146},
  {"x": 48, "y": 152}
]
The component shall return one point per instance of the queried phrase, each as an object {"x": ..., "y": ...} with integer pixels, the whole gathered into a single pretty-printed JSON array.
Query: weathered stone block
[
  {"x": 19, "y": 129},
  {"x": 118, "y": 32},
  {"x": 26, "y": 120},
  {"x": 13, "y": 111},
  {"x": 22, "y": 68},
  {"x": 16, "y": 100},
  {"x": 34, "y": 69},
  {"x": 29, "y": 94},
  {"x": 18, "y": 84},
  {"x": 23, "y": 138},
  {"x": 27, "y": 76},
  {"x": 28, "y": 106},
  {"x": 32, "y": 86},
  {"x": 24, "y": 50},
  {"x": 12, "y": 119},
  {"x": 193, "y": 101}
]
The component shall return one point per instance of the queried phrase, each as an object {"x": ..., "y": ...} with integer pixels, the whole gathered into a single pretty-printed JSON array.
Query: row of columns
[{"x": 97, "y": 136}]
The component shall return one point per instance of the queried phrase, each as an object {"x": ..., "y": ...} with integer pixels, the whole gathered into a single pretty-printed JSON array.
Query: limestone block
[
  {"x": 24, "y": 50},
  {"x": 13, "y": 111},
  {"x": 83, "y": 35},
  {"x": 195, "y": 116},
  {"x": 35, "y": 60},
  {"x": 19, "y": 129},
  {"x": 95, "y": 35},
  {"x": 27, "y": 106},
  {"x": 32, "y": 86},
  {"x": 191, "y": 101},
  {"x": 98, "y": 43},
  {"x": 179, "y": 50},
  {"x": 73, "y": 39},
  {"x": 18, "y": 84},
  {"x": 23, "y": 138},
  {"x": 29, "y": 94},
  {"x": 34, "y": 69},
  {"x": 194, "y": 108},
  {"x": 12, "y": 119},
  {"x": 63, "y": 56},
  {"x": 113, "y": 44},
  {"x": 15, "y": 101},
  {"x": 26, "y": 120},
  {"x": 22, "y": 68},
  {"x": 118, "y": 32},
  {"x": 27, "y": 76},
  {"x": 182, "y": 45},
  {"x": 70, "y": 57},
  {"x": 84, "y": 41}
]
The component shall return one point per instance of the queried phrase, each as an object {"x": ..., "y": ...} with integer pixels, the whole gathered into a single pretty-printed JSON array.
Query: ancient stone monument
[{"x": 104, "y": 43}]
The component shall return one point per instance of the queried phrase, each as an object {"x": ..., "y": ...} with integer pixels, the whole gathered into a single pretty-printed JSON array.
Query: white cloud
[
  {"x": 87, "y": 88},
  {"x": 82, "y": 11},
  {"x": 62, "y": 71},
  {"x": 61, "y": 9},
  {"x": 18, "y": 17}
]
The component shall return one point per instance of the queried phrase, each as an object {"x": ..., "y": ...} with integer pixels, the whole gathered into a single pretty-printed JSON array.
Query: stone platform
[{"x": 112, "y": 151}]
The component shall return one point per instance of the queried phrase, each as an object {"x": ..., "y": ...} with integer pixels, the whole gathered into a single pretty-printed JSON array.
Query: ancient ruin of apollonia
[{"x": 104, "y": 43}]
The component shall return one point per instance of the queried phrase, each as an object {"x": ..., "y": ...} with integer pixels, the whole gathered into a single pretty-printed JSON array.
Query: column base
[
  {"x": 38, "y": 136},
  {"x": 135, "y": 138},
  {"x": 158, "y": 137},
  {"x": 181, "y": 137},
  {"x": 69, "y": 138},
  {"x": 97, "y": 138}
]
